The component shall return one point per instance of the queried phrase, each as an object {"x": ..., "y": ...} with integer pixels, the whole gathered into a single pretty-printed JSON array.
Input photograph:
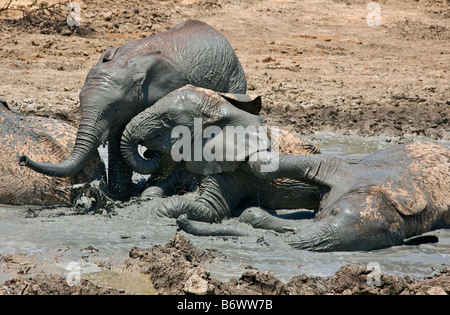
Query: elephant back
[
  {"x": 285, "y": 142},
  {"x": 204, "y": 55}
]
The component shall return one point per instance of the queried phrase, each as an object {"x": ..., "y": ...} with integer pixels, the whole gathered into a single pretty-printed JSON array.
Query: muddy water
[{"x": 97, "y": 240}]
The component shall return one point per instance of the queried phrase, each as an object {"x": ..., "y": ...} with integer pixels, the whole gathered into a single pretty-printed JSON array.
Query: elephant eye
[{"x": 166, "y": 121}]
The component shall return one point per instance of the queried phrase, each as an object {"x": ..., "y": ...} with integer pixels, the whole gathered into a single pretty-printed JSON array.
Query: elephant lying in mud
[
  {"x": 130, "y": 78},
  {"x": 40, "y": 137},
  {"x": 222, "y": 185},
  {"x": 392, "y": 195}
]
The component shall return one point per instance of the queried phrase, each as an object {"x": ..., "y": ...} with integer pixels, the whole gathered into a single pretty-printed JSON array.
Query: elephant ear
[
  {"x": 109, "y": 54},
  {"x": 157, "y": 74},
  {"x": 405, "y": 195},
  {"x": 250, "y": 103},
  {"x": 228, "y": 136}
]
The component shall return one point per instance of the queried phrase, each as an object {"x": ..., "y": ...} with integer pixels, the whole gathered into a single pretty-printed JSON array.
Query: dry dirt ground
[{"x": 317, "y": 64}]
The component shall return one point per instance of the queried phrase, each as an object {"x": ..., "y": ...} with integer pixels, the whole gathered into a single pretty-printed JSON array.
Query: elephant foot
[
  {"x": 171, "y": 207},
  {"x": 152, "y": 192},
  {"x": 262, "y": 219}
]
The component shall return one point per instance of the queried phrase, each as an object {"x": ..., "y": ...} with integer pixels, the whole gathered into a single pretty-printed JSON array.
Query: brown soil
[
  {"x": 316, "y": 64},
  {"x": 179, "y": 268},
  {"x": 45, "y": 284}
]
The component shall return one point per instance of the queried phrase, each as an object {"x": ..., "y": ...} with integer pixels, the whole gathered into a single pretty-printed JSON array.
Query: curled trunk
[{"x": 130, "y": 151}]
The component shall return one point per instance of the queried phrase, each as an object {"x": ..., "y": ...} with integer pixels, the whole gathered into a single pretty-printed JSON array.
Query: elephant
[
  {"x": 131, "y": 78},
  {"x": 386, "y": 199},
  {"x": 222, "y": 186},
  {"x": 39, "y": 136}
]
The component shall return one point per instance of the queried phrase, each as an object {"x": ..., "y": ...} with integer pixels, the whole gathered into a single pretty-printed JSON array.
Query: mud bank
[{"x": 179, "y": 268}]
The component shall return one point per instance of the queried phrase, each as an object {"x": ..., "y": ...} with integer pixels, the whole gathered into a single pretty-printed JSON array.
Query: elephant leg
[
  {"x": 254, "y": 216},
  {"x": 120, "y": 185},
  {"x": 207, "y": 229},
  {"x": 175, "y": 206},
  {"x": 180, "y": 181},
  {"x": 161, "y": 189},
  {"x": 214, "y": 200},
  {"x": 164, "y": 188},
  {"x": 263, "y": 219},
  {"x": 307, "y": 234}
]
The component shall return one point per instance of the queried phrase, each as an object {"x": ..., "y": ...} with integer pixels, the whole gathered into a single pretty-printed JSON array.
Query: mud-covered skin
[
  {"x": 215, "y": 197},
  {"x": 131, "y": 78},
  {"x": 390, "y": 196},
  {"x": 41, "y": 138},
  {"x": 221, "y": 186},
  {"x": 218, "y": 196}
]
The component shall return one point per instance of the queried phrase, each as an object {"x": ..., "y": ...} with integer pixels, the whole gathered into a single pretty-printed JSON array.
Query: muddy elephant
[
  {"x": 206, "y": 120},
  {"x": 130, "y": 78},
  {"x": 388, "y": 197},
  {"x": 42, "y": 138}
]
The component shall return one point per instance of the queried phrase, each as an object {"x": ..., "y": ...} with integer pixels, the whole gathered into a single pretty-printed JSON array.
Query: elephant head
[
  {"x": 391, "y": 195},
  {"x": 134, "y": 76},
  {"x": 116, "y": 80},
  {"x": 212, "y": 132}
]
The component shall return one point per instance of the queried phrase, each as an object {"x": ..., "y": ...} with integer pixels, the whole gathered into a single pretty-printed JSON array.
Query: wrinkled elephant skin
[
  {"x": 394, "y": 194},
  {"x": 41, "y": 138},
  {"x": 130, "y": 78},
  {"x": 222, "y": 185}
]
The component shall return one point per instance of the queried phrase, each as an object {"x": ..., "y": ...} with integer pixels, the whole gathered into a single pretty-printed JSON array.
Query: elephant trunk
[
  {"x": 315, "y": 238},
  {"x": 89, "y": 137},
  {"x": 131, "y": 139},
  {"x": 322, "y": 235}
]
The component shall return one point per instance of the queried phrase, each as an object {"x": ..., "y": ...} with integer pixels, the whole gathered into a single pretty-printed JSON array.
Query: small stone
[
  {"x": 197, "y": 285},
  {"x": 436, "y": 291},
  {"x": 108, "y": 16},
  {"x": 66, "y": 32},
  {"x": 268, "y": 59}
]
